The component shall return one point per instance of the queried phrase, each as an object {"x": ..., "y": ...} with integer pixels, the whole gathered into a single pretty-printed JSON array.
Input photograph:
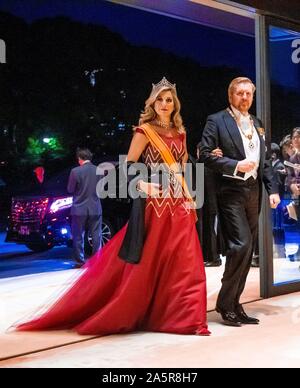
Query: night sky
[{"x": 208, "y": 46}]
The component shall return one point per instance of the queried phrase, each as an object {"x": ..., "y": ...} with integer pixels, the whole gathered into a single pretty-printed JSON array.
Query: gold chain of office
[{"x": 248, "y": 136}]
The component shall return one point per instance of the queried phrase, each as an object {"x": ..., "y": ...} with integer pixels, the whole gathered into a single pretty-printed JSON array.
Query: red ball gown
[{"x": 164, "y": 292}]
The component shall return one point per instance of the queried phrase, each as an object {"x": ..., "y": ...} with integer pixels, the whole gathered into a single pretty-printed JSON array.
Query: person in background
[
  {"x": 86, "y": 211},
  {"x": 211, "y": 231},
  {"x": 287, "y": 147},
  {"x": 293, "y": 177},
  {"x": 293, "y": 180},
  {"x": 278, "y": 168},
  {"x": 279, "y": 176}
]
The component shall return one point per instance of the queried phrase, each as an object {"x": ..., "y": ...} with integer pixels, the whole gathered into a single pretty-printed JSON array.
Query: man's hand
[
  {"x": 217, "y": 152},
  {"x": 274, "y": 200},
  {"x": 246, "y": 165},
  {"x": 282, "y": 172}
]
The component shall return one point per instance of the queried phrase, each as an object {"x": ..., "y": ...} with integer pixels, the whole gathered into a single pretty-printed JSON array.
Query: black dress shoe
[
  {"x": 244, "y": 318},
  {"x": 214, "y": 263},
  {"x": 229, "y": 318}
]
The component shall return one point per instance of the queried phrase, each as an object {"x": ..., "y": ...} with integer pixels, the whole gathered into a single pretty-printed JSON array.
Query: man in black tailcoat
[{"x": 242, "y": 170}]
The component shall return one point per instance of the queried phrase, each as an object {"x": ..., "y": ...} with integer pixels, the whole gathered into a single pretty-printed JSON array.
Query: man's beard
[{"x": 244, "y": 106}]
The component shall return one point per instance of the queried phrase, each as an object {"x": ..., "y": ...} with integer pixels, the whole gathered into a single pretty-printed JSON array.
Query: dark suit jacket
[
  {"x": 279, "y": 176},
  {"x": 82, "y": 184},
  {"x": 222, "y": 131}
]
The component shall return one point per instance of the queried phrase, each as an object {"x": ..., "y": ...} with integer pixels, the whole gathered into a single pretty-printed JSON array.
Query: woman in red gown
[{"x": 166, "y": 290}]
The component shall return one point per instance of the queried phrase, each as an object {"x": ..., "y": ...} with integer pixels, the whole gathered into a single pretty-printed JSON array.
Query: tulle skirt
[{"x": 165, "y": 292}]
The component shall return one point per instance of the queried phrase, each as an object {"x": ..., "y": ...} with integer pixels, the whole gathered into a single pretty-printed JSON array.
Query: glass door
[{"x": 282, "y": 110}]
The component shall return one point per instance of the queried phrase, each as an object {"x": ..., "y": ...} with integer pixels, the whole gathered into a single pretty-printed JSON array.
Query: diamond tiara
[{"x": 163, "y": 84}]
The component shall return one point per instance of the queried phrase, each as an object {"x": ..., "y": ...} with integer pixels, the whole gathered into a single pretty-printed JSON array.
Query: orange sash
[{"x": 169, "y": 160}]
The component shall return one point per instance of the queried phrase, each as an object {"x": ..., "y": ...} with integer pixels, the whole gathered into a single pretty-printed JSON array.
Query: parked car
[{"x": 41, "y": 219}]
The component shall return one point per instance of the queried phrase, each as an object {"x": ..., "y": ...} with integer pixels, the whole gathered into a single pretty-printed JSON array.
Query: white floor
[{"x": 275, "y": 342}]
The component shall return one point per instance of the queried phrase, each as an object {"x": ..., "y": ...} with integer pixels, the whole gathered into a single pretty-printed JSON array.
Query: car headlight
[{"x": 60, "y": 204}]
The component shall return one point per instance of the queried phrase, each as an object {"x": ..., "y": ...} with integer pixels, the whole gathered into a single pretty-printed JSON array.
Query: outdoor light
[{"x": 46, "y": 140}]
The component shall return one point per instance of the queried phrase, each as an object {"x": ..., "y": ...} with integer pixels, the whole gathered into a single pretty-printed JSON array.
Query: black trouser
[
  {"x": 210, "y": 211},
  {"x": 239, "y": 211},
  {"x": 81, "y": 225},
  {"x": 209, "y": 241}
]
